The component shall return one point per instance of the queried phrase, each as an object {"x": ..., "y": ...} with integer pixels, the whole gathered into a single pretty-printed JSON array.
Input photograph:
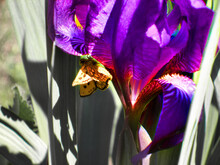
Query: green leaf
[
  {"x": 211, "y": 124},
  {"x": 96, "y": 122},
  {"x": 22, "y": 108},
  {"x": 198, "y": 99},
  {"x": 62, "y": 106},
  {"x": 166, "y": 157},
  {"x": 118, "y": 120},
  {"x": 193, "y": 152},
  {"x": 126, "y": 147},
  {"x": 18, "y": 143},
  {"x": 214, "y": 137},
  {"x": 29, "y": 22},
  {"x": 3, "y": 161},
  {"x": 214, "y": 157}
]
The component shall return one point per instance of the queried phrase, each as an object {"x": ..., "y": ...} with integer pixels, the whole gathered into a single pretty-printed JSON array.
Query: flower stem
[{"x": 133, "y": 119}]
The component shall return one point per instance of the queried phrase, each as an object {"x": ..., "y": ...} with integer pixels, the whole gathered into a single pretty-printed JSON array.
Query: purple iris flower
[{"x": 147, "y": 50}]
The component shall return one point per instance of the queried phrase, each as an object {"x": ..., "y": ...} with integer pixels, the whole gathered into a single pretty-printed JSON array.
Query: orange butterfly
[{"x": 91, "y": 76}]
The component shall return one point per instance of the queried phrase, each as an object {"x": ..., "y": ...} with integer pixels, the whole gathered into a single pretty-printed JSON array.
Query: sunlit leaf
[
  {"x": 29, "y": 22},
  {"x": 212, "y": 117},
  {"x": 197, "y": 103},
  {"x": 18, "y": 143}
]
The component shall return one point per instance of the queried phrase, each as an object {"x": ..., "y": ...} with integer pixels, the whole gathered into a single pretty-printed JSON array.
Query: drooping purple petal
[
  {"x": 147, "y": 56},
  {"x": 199, "y": 18},
  {"x": 177, "y": 94},
  {"x": 68, "y": 35},
  {"x": 81, "y": 9}
]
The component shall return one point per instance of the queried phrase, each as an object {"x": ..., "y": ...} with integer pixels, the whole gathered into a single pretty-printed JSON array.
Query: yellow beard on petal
[
  {"x": 78, "y": 24},
  {"x": 180, "y": 81}
]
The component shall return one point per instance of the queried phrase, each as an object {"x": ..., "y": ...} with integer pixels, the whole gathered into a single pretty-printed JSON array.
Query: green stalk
[{"x": 52, "y": 155}]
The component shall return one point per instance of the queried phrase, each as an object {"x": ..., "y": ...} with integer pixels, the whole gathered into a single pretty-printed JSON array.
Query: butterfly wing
[
  {"x": 102, "y": 84},
  {"x": 97, "y": 72},
  {"x": 87, "y": 89},
  {"x": 81, "y": 78},
  {"x": 104, "y": 75},
  {"x": 103, "y": 78},
  {"x": 91, "y": 76}
]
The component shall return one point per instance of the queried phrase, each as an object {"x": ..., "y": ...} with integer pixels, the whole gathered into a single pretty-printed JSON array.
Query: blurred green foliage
[{"x": 11, "y": 67}]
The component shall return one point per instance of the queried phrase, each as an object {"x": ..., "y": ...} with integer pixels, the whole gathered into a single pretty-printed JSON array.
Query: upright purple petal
[
  {"x": 147, "y": 57},
  {"x": 129, "y": 39},
  {"x": 142, "y": 43},
  {"x": 162, "y": 21},
  {"x": 174, "y": 19},
  {"x": 168, "y": 52},
  {"x": 199, "y": 19},
  {"x": 98, "y": 15}
]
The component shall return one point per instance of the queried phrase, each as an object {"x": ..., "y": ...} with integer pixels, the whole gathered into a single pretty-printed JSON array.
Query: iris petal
[
  {"x": 98, "y": 16},
  {"x": 102, "y": 53},
  {"x": 166, "y": 53},
  {"x": 81, "y": 9},
  {"x": 99, "y": 31},
  {"x": 177, "y": 94},
  {"x": 174, "y": 18},
  {"x": 67, "y": 35},
  {"x": 161, "y": 22},
  {"x": 199, "y": 18},
  {"x": 129, "y": 38}
]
